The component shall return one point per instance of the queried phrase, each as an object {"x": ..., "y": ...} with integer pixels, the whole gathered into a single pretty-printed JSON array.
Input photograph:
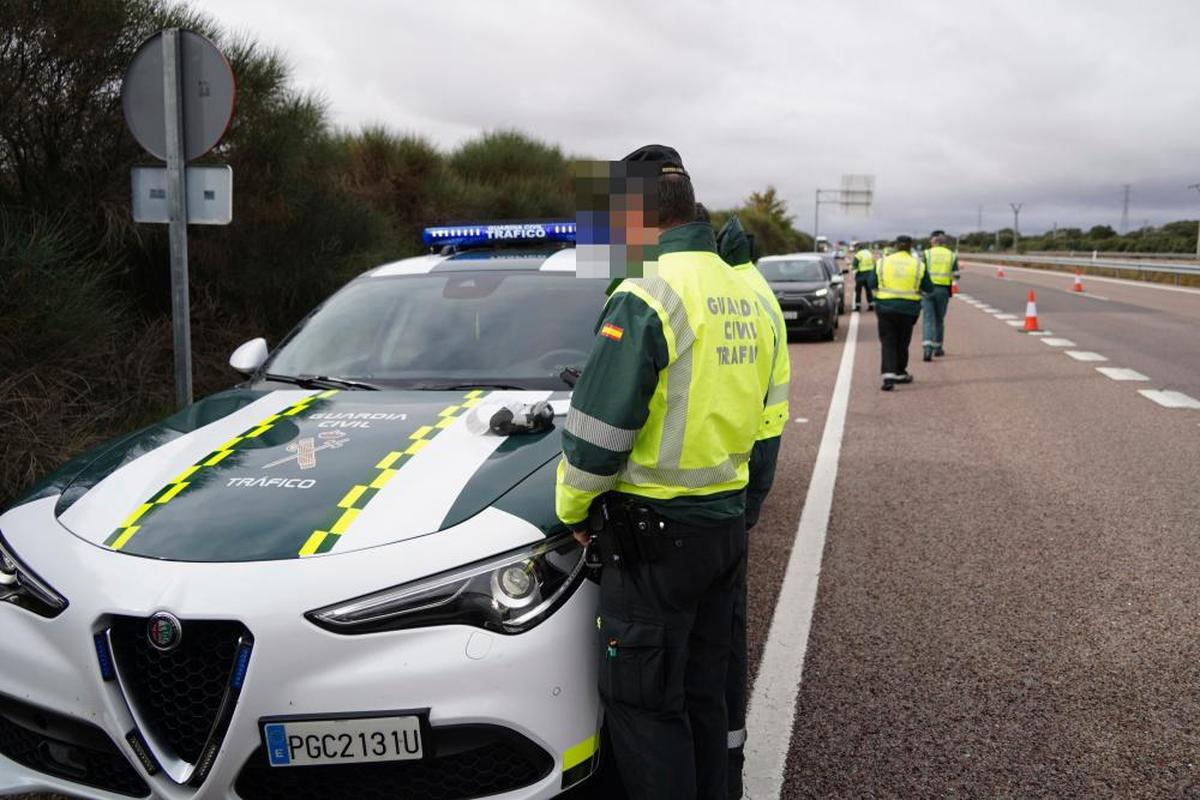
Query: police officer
[
  {"x": 656, "y": 452},
  {"x": 736, "y": 247},
  {"x": 864, "y": 262},
  {"x": 898, "y": 283},
  {"x": 942, "y": 265}
]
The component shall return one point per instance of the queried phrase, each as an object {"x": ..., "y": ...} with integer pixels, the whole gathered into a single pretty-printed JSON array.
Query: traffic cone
[
  {"x": 1078, "y": 281},
  {"x": 954, "y": 287},
  {"x": 1031, "y": 321},
  {"x": 999, "y": 270}
]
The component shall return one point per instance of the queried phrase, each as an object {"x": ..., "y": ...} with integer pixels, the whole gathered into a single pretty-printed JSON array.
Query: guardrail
[
  {"x": 1090, "y": 254},
  {"x": 1144, "y": 267}
]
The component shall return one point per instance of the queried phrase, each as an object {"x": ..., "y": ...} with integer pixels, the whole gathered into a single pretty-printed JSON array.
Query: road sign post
[
  {"x": 178, "y": 99},
  {"x": 181, "y": 321}
]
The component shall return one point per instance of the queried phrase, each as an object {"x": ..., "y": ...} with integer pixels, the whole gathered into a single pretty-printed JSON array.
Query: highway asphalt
[{"x": 1010, "y": 587}]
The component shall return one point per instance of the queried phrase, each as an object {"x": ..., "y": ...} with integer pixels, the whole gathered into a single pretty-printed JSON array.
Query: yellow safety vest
[
  {"x": 775, "y": 414},
  {"x": 864, "y": 260},
  {"x": 708, "y": 405},
  {"x": 900, "y": 277},
  {"x": 940, "y": 262}
]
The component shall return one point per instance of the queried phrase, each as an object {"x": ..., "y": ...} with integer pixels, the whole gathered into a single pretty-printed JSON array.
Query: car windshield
[
  {"x": 519, "y": 329},
  {"x": 792, "y": 270}
]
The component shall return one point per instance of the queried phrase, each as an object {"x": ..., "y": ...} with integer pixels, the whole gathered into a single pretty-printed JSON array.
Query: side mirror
[{"x": 250, "y": 356}]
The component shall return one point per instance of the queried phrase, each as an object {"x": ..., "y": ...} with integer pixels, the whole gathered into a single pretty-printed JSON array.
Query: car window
[
  {"x": 793, "y": 270},
  {"x": 496, "y": 327}
]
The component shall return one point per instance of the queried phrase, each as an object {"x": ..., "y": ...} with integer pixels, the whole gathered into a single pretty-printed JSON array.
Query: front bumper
[
  {"x": 539, "y": 685},
  {"x": 804, "y": 314}
]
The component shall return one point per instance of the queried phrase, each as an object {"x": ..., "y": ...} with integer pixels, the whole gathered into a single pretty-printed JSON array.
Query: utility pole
[
  {"x": 1125, "y": 212},
  {"x": 979, "y": 222},
  {"x": 1016, "y": 207},
  {"x": 1196, "y": 186}
]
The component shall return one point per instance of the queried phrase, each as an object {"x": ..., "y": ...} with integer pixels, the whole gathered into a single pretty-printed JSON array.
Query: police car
[{"x": 333, "y": 580}]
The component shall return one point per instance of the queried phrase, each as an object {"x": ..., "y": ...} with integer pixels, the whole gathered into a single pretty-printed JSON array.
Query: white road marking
[
  {"x": 1006, "y": 316},
  {"x": 989, "y": 309},
  {"x": 1085, "y": 355},
  {"x": 1056, "y": 342},
  {"x": 1091, "y": 296},
  {"x": 801, "y": 419},
  {"x": 1169, "y": 399},
  {"x": 1041, "y": 333},
  {"x": 1121, "y": 374},
  {"x": 1016, "y": 323},
  {"x": 773, "y": 702},
  {"x": 1068, "y": 275}
]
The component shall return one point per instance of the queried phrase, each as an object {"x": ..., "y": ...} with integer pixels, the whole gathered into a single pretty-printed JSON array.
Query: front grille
[
  {"x": 467, "y": 761},
  {"x": 178, "y": 694},
  {"x": 65, "y": 748}
]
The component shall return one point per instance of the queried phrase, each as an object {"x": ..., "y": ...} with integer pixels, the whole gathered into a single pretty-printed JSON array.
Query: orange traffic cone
[
  {"x": 1031, "y": 321},
  {"x": 999, "y": 270},
  {"x": 1078, "y": 281},
  {"x": 954, "y": 286}
]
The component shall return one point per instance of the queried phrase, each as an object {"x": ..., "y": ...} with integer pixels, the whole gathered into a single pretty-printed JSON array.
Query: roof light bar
[{"x": 500, "y": 233}]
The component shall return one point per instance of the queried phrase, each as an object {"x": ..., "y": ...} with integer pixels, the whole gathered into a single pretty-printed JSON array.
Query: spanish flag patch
[{"x": 611, "y": 331}]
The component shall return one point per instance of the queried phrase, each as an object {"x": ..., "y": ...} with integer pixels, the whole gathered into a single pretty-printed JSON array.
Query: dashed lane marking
[
  {"x": 1121, "y": 374},
  {"x": 1016, "y": 323},
  {"x": 773, "y": 702},
  {"x": 1085, "y": 355},
  {"x": 1170, "y": 399},
  {"x": 1041, "y": 333},
  {"x": 801, "y": 419},
  {"x": 1053, "y": 341},
  {"x": 1006, "y": 316}
]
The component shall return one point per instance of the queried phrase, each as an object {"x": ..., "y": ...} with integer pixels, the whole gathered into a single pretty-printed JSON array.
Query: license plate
[
  {"x": 791, "y": 314},
  {"x": 298, "y": 743}
]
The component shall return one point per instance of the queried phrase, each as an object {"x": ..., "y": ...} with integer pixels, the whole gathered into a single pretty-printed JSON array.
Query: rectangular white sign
[{"x": 209, "y": 195}]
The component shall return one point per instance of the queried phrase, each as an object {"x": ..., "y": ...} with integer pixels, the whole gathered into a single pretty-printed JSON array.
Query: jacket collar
[{"x": 690, "y": 237}]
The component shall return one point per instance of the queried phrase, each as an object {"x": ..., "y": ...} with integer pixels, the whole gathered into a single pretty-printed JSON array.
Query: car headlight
[
  {"x": 820, "y": 292},
  {"x": 510, "y": 593},
  {"x": 21, "y": 587}
]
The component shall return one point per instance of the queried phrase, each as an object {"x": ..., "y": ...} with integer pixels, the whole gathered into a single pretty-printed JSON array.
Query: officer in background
[
  {"x": 736, "y": 247},
  {"x": 942, "y": 265},
  {"x": 656, "y": 451},
  {"x": 898, "y": 283},
  {"x": 864, "y": 262}
]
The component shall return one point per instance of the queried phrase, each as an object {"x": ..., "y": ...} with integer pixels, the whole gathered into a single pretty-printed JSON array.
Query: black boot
[
  {"x": 939, "y": 352},
  {"x": 928, "y": 354}
]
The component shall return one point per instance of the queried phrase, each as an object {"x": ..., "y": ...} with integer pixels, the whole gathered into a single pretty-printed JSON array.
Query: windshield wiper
[
  {"x": 321, "y": 382},
  {"x": 447, "y": 387}
]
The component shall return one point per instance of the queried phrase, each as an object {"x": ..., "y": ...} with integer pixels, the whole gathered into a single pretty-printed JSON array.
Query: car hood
[
  {"x": 262, "y": 475},
  {"x": 798, "y": 286}
]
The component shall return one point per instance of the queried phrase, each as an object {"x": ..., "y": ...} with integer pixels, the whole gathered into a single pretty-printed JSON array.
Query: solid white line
[
  {"x": 1085, "y": 355},
  {"x": 773, "y": 702},
  {"x": 1169, "y": 399},
  {"x": 1121, "y": 374},
  {"x": 1091, "y": 296},
  {"x": 1055, "y": 342},
  {"x": 1121, "y": 281}
]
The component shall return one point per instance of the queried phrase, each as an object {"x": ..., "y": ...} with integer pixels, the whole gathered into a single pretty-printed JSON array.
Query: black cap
[
  {"x": 938, "y": 232},
  {"x": 904, "y": 239},
  {"x": 666, "y": 157}
]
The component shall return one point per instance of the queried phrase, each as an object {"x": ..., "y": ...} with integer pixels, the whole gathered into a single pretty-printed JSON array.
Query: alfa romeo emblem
[{"x": 164, "y": 631}]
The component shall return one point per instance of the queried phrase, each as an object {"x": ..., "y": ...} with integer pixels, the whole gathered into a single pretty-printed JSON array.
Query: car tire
[
  {"x": 842, "y": 305},
  {"x": 829, "y": 334}
]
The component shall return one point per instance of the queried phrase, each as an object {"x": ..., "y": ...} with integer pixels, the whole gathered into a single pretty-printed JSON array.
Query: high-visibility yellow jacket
[
  {"x": 672, "y": 396},
  {"x": 864, "y": 260},
  {"x": 942, "y": 265}
]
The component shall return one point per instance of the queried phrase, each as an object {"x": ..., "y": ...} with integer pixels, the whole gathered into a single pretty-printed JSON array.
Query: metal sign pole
[{"x": 177, "y": 216}]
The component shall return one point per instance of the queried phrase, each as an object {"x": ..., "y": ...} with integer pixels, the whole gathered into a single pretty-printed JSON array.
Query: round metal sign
[{"x": 207, "y": 95}]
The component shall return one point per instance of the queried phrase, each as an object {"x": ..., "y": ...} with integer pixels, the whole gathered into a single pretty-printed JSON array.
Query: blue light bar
[
  {"x": 104, "y": 655},
  {"x": 499, "y": 233},
  {"x": 240, "y": 666}
]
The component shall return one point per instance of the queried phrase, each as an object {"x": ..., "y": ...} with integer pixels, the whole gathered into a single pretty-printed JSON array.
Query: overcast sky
[{"x": 950, "y": 104}]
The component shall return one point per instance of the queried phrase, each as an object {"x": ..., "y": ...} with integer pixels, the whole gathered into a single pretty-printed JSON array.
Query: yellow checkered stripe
[
  {"x": 127, "y": 529},
  {"x": 352, "y": 504}
]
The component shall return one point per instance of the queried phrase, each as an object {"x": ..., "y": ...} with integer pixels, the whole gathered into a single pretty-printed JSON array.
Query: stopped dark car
[{"x": 807, "y": 291}]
